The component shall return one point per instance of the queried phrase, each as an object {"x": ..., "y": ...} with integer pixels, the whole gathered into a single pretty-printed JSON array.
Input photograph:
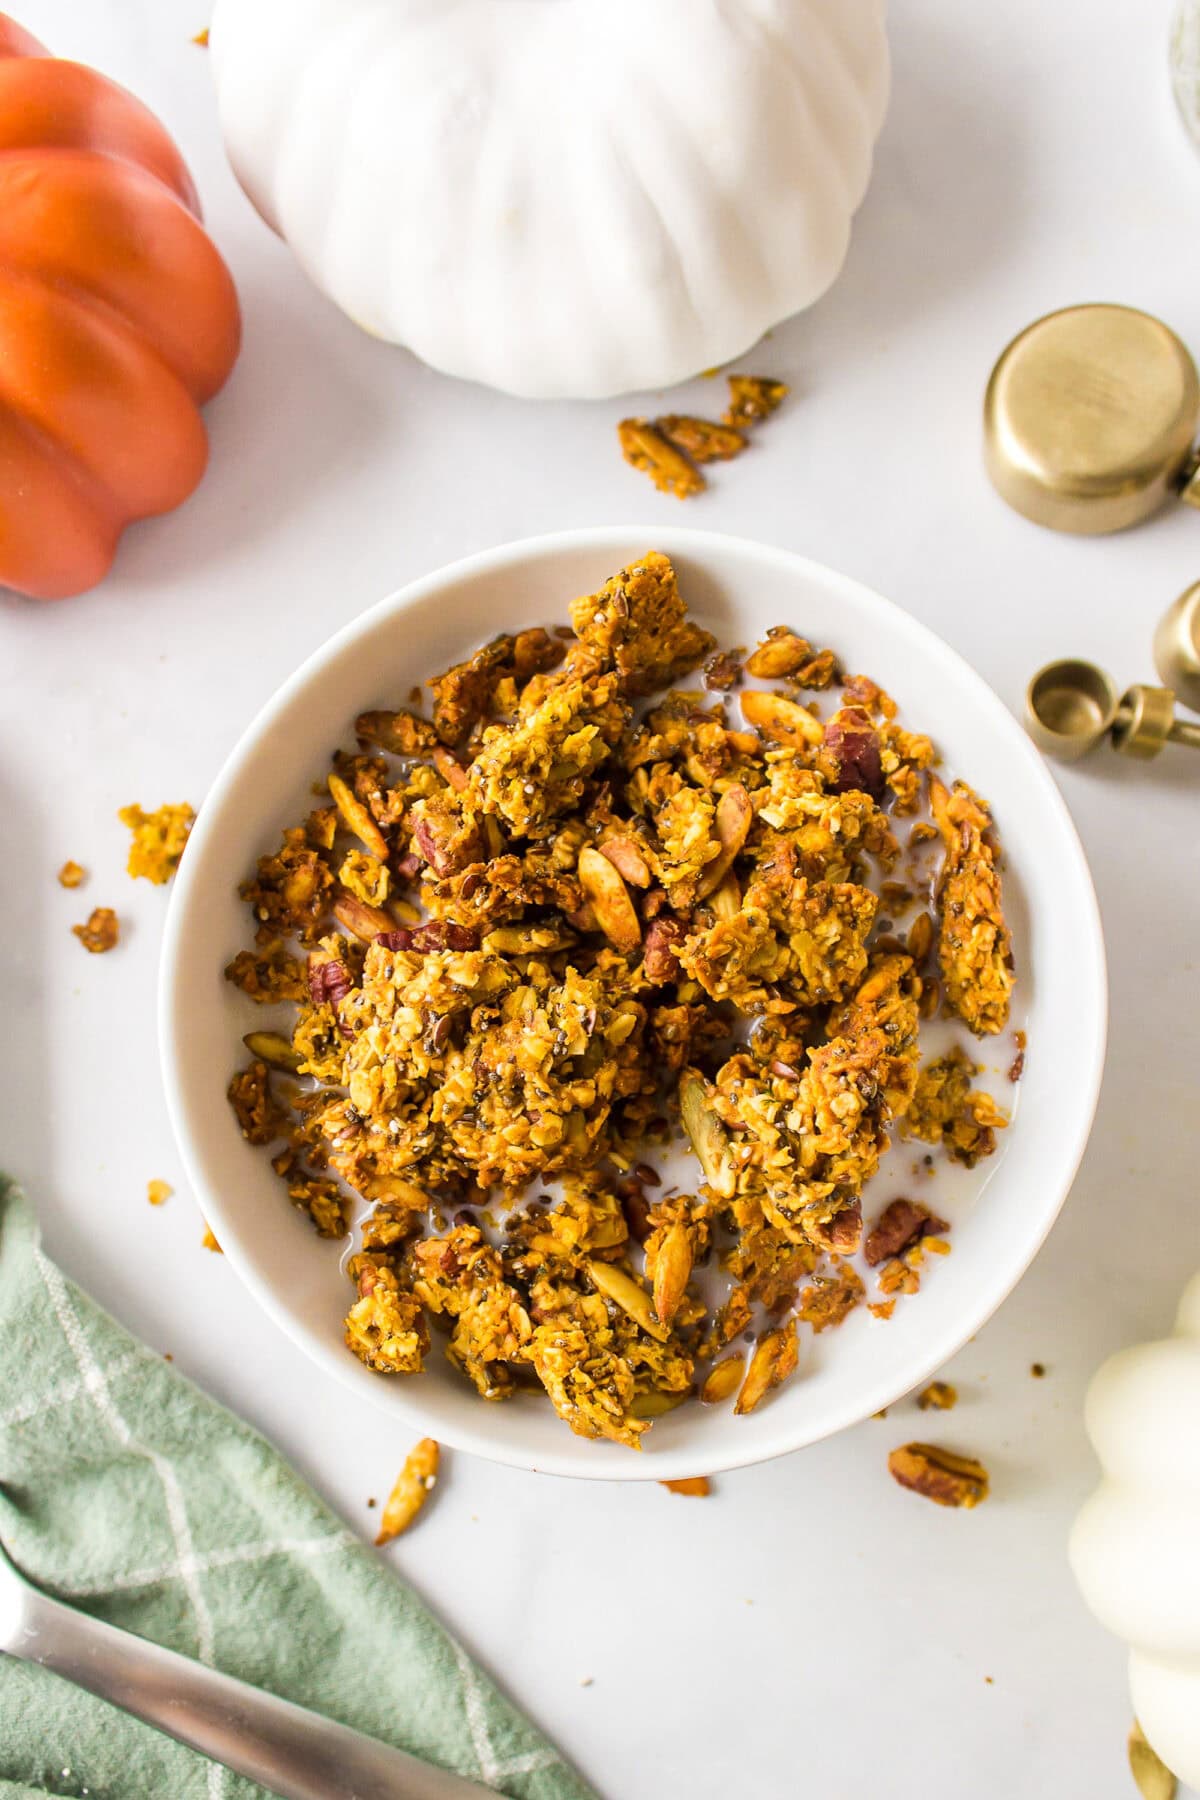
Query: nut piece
[
  {"x": 660, "y": 962},
  {"x": 734, "y": 816},
  {"x": 101, "y": 931},
  {"x": 900, "y": 1224},
  {"x": 274, "y": 1050},
  {"x": 753, "y": 398},
  {"x": 780, "y": 720},
  {"x": 726, "y": 901},
  {"x": 361, "y": 921},
  {"x": 939, "y": 1475},
  {"x": 617, "y": 1285},
  {"x": 723, "y": 1379},
  {"x": 357, "y": 818},
  {"x": 1150, "y": 1773},
  {"x": 627, "y": 859},
  {"x": 702, "y": 439},
  {"x": 775, "y": 1356},
  {"x": 610, "y": 900},
  {"x": 781, "y": 653},
  {"x": 708, "y": 1136},
  {"x": 414, "y": 1484},
  {"x": 71, "y": 875},
  {"x": 689, "y": 1484},
  {"x": 672, "y": 1270},
  {"x": 648, "y": 450}
]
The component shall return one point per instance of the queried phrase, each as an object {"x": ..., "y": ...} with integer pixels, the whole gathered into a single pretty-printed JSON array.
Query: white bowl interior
[{"x": 737, "y": 589}]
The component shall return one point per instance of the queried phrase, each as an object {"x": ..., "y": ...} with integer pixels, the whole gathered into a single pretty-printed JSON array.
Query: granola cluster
[{"x": 581, "y": 902}]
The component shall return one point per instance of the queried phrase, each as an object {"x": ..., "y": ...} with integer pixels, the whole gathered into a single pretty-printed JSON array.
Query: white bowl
[{"x": 738, "y": 589}]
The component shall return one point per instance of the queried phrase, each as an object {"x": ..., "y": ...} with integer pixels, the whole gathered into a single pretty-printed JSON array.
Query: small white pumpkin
[
  {"x": 558, "y": 197},
  {"x": 1135, "y": 1546}
]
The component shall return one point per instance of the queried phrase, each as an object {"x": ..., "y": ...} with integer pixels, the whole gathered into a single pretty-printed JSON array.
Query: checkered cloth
[{"x": 127, "y": 1491}]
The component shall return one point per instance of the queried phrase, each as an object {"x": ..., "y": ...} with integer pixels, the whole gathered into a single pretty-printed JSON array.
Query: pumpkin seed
[
  {"x": 617, "y": 1285},
  {"x": 274, "y": 1050},
  {"x": 708, "y": 1136}
]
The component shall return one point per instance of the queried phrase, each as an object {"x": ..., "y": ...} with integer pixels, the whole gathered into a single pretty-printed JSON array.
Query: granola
[
  {"x": 159, "y": 839},
  {"x": 100, "y": 932},
  {"x": 524, "y": 937}
]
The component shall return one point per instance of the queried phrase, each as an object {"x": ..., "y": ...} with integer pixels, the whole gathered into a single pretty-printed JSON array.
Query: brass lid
[
  {"x": 1177, "y": 647},
  {"x": 1089, "y": 419}
]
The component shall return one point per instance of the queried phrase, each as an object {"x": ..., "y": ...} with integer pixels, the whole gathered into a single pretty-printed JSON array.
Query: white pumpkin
[
  {"x": 1135, "y": 1547},
  {"x": 558, "y": 197}
]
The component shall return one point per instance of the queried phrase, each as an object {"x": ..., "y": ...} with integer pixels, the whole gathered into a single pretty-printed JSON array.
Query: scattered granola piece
[
  {"x": 753, "y": 398},
  {"x": 158, "y": 1192},
  {"x": 101, "y": 931},
  {"x": 689, "y": 1484},
  {"x": 71, "y": 875},
  {"x": 158, "y": 840},
  {"x": 648, "y": 450},
  {"x": 974, "y": 948},
  {"x": 939, "y": 1475},
  {"x": 939, "y": 1395},
  {"x": 414, "y": 1484},
  {"x": 209, "y": 1241},
  {"x": 201, "y": 39},
  {"x": 701, "y": 439},
  {"x": 1037, "y": 1370}
]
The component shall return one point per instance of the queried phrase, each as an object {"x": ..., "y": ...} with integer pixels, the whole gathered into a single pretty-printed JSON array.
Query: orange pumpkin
[{"x": 118, "y": 320}]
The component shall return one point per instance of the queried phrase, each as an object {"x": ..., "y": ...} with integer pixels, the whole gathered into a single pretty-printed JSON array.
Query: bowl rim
[{"x": 187, "y": 886}]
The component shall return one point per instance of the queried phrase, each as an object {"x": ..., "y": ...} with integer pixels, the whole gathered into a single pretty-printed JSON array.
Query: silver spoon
[{"x": 285, "y": 1748}]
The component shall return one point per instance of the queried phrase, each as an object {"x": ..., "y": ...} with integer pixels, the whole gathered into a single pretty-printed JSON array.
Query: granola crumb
[
  {"x": 372, "y": 1501},
  {"x": 939, "y": 1395},
  {"x": 209, "y": 1241},
  {"x": 201, "y": 39},
  {"x": 690, "y": 1484},
  {"x": 101, "y": 931},
  {"x": 158, "y": 1192},
  {"x": 158, "y": 840},
  {"x": 167, "y": 1357},
  {"x": 1037, "y": 1370},
  {"x": 586, "y": 1680},
  {"x": 72, "y": 875},
  {"x": 414, "y": 1484}
]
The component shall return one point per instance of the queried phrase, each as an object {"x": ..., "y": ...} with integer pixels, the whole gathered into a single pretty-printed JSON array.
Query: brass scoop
[
  {"x": 1090, "y": 420},
  {"x": 1071, "y": 705}
]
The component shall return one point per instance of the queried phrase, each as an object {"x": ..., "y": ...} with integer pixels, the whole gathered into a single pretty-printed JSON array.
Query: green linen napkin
[{"x": 127, "y": 1491}]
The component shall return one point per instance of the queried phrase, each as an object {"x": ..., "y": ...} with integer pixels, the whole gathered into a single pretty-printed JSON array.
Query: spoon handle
[{"x": 293, "y": 1752}]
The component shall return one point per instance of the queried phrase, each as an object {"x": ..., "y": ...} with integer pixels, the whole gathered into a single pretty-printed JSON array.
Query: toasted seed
[
  {"x": 528, "y": 940},
  {"x": 734, "y": 816},
  {"x": 780, "y": 720},
  {"x": 1153, "y": 1778},
  {"x": 274, "y": 1050},
  {"x": 362, "y": 921},
  {"x": 414, "y": 1484},
  {"x": 449, "y": 768},
  {"x": 690, "y": 1484},
  {"x": 781, "y": 654},
  {"x": 619, "y": 1286},
  {"x": 726, "y": 901},
  {"x": 672, "y": 1270},
  {"x": 708, "y": 1136},
  {"x": 655, "y": 1405},
  {"x": 627, "y": 859},
  {"x": 775, "y": 1356},
  {"x": 357, "y": 818},
  {"x": 920, "y": 937},
  {"x": 723, "y": 1379},
  {"x": 610, "y": 900}
]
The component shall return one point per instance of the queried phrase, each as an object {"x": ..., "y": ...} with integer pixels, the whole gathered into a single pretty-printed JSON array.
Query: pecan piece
[
  {"x": 843, "y": 1233},
  {"x": 780, "y": 720},
  {"x": 853, "y": 746},
  {"x": 900, "y": 1224},
  {"x": 648, "y": 450},
  {"x": 660, "y": 962},
  {"x": 939, "y": 1475}
]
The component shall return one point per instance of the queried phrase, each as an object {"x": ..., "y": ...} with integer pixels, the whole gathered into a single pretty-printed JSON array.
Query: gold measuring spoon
[{"x": 1071, "y": 705}]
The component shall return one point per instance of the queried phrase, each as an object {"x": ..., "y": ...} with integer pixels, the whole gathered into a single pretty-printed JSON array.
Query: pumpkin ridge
[
  {"x": 201, "y": 379},
  {"x": 108, "y": 499},
  {"x": 64, "y": 469}
]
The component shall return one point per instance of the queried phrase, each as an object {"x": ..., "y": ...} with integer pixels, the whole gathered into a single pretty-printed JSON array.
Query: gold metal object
[
  {"x": 1090, "y": 417},
  {"x": 1177, "y": 647},
  {"x": 1071, "y": 705}
]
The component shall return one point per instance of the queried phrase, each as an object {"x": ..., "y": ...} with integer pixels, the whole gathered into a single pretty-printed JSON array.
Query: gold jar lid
[{"x": 1090, "y": 417}]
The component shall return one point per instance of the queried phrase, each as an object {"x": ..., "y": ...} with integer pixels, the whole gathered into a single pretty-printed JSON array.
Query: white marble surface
[{"x": 809, "y": 1630}]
